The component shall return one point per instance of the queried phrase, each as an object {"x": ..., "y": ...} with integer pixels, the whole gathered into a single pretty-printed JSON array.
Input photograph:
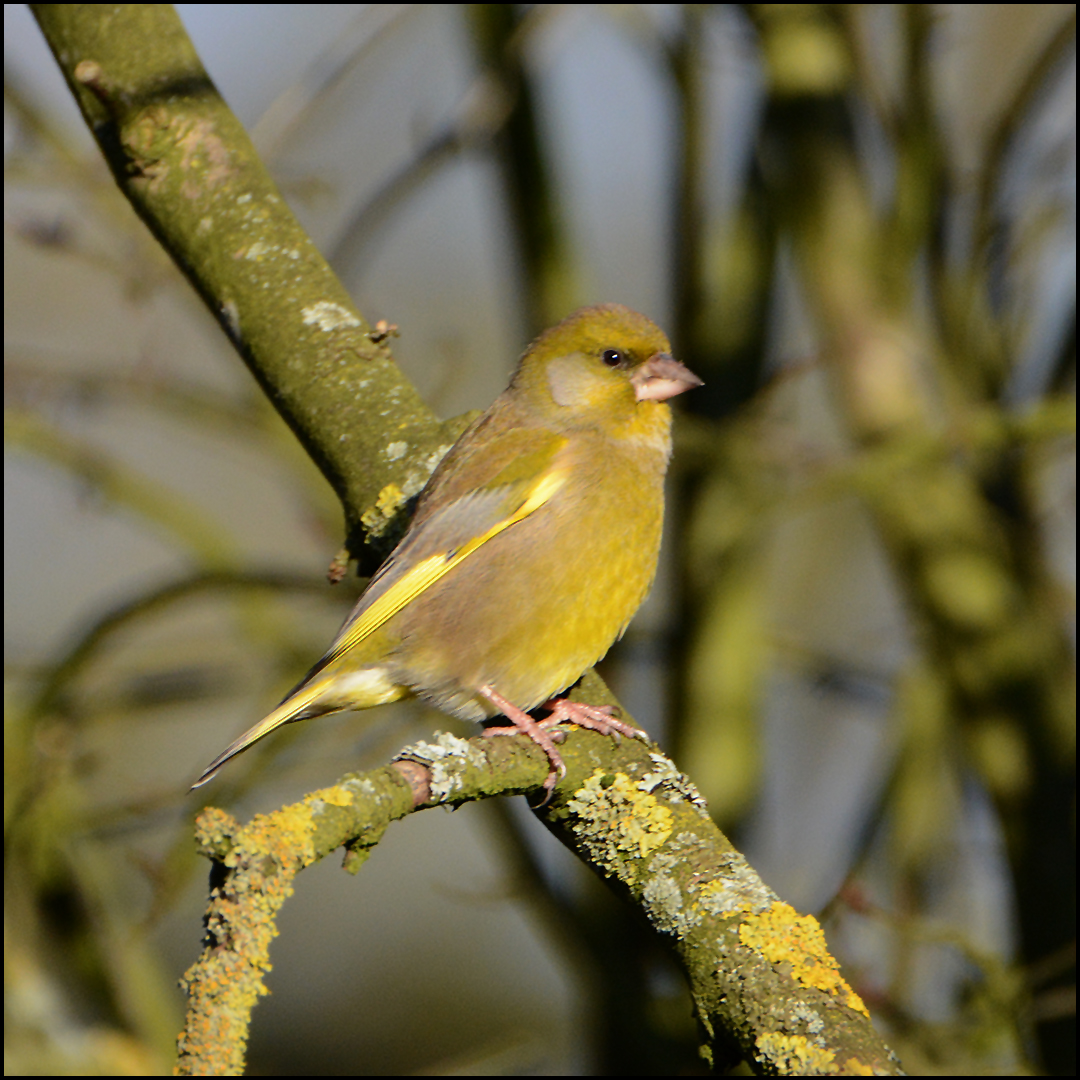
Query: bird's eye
[{"x": 612, "y": 357}]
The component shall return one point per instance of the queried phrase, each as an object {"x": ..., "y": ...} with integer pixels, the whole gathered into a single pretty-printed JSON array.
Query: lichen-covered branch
[{"x": 764, "y": 984}]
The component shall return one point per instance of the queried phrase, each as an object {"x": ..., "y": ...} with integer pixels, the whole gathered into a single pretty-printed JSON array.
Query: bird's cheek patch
[{"x": 569, "y": 379}]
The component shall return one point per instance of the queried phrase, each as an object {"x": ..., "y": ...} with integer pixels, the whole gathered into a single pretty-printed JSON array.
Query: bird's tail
[{"x": 300, "y": 705}]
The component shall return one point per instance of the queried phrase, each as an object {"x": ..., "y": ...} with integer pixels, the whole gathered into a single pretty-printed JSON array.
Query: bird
[{"x": 533, "y": 544}]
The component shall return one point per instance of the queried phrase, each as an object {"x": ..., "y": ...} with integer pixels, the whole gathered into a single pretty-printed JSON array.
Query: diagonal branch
[{"x": 630, "y": 814}]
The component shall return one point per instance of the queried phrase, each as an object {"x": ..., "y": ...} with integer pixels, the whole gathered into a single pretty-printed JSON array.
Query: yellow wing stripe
[{"x": 425, "y": 574}]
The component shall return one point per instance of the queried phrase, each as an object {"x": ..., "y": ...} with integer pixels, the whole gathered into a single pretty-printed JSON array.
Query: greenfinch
[{"x": 533, "y": 544}]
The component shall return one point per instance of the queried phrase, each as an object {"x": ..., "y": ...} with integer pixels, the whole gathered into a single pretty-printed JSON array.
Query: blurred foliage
[{"x": 867, "y": 499}]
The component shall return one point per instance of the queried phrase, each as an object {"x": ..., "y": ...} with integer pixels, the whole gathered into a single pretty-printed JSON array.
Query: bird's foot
[
  {"x": 594, "y": 717},
  {"x": 523, "y": 723}
]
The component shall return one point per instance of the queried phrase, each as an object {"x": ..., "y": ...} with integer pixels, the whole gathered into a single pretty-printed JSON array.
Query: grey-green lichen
[
  {"x": 327, "y": 315},
  {"x": 802, "y": 1014},
  {"x": 616, "y": 821},
  {"x": 735, "y": 887},
  {"x": 663, "y": 900},
  {"x": 360, "y": 786},
  {"x": 676, "y": 786},
  {"x": 445, "y": 759}
]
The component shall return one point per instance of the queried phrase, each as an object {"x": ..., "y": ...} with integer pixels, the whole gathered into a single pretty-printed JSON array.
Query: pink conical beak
[{"x": 662, "y": 377}]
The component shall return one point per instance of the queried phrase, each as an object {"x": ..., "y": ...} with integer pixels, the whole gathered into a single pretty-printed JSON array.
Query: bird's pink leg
[{"x": 523, "y": 723}]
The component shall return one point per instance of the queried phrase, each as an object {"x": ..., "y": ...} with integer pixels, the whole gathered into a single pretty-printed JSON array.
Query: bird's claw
[{"x": 599, "y": 718}]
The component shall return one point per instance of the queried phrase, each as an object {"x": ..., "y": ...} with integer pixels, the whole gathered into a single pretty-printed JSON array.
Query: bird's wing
[{"x": 483, "y": 492}]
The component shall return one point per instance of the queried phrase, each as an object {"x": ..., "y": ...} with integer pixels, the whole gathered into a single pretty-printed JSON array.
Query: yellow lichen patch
[
  {"x": 617, "y": 818},
  {"x": 783, "y": 936},
  {"x": 331, "y": 796},
  {"x": 795, "y": 1055},
  {"x": 263, "y": 859},
  {"x": 854, "y": 1067},
  {"x": 390, "y": 498},
  {"x": 286, "y": 835},
  {"x": 215, "y": 832}
]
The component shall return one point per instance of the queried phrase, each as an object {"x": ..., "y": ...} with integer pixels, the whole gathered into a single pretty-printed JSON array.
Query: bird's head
[{"x": 604, "y": 366}]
